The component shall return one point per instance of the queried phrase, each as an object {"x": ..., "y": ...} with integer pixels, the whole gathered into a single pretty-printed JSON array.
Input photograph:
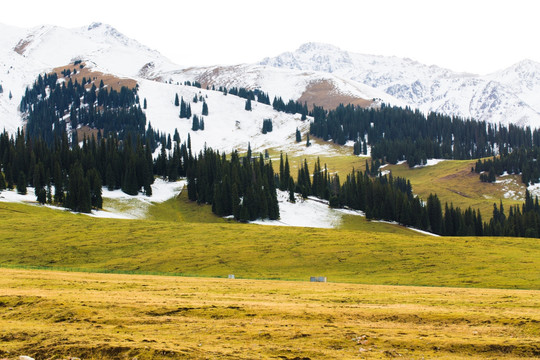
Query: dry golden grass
[
  {"x": 112, "y": 81},
  {"x": 49, "y": 315},
  {"x": 324, "y": 93}
]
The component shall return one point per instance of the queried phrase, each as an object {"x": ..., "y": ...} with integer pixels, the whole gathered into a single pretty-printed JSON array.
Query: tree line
[
  {"x": 396, "y": 134},
  {"x": 72, "y": 176},
  {"x": 523, "y": 161}
]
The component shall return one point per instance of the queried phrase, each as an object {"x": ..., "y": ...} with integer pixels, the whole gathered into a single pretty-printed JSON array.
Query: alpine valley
[{"x": 151, "y": 210}]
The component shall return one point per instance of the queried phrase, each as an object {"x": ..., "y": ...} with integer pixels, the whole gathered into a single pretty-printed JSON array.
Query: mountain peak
[
  {"x": 312, "y": 56},
  {"x": 317, "y": 47},
  {"x": 94, "y": 25}
]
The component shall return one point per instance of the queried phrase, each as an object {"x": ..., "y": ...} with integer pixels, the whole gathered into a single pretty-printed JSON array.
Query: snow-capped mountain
[
  {"x": 508, "y": 96},
  {"x": 310, "y": 86},
  {"x": 26, "y": 53},
  {"x": 315, "y": 73}
]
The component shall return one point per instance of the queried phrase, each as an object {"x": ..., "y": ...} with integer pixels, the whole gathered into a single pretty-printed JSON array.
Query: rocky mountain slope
[{"x": 508, "y": 96}]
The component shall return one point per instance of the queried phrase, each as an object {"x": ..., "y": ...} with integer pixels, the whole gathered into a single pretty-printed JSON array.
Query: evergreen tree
[
  {"x": 298, "y": 136},
  {"x": 195, "y": 124},
  {"x": 435, "y": 214},
  {"x": 78, "y": 196},
  {"x": 144, "y": 104},
  {"x": 248, "y": 105},
  {"x": 204, "y": 109},
  {"x": 21, "y": 183},
  {"x": 2, "y": 181},
  {"x": 308, "y": 143},
  {"x": 176, "y": 100},
  {"x": 130, "y": 185},
  {"x": 95, "y": 188}
]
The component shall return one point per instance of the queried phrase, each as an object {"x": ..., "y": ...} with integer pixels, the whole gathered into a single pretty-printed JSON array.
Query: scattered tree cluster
[
  {"x": 242, "y": 187},
  {"x": 185, "y": 109},
  {"x": 267, "y": 126},
  {"x": 292, "y": 107},
  {"x": 523, "y": 161}
]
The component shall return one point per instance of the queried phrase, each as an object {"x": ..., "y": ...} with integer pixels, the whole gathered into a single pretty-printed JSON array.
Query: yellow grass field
[{"x": 58, "y": 315}]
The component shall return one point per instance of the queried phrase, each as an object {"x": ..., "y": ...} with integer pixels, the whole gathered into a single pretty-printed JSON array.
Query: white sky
[{"x": 475, "y": 36}]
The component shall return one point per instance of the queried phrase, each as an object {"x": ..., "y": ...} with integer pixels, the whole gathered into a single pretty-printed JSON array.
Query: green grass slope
[{"x": 33, "y": 236}]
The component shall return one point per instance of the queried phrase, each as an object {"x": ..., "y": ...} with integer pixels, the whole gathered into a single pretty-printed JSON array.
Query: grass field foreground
[
  {"x": 79, "y": 242},
  {"x": 58, "y": 315}
]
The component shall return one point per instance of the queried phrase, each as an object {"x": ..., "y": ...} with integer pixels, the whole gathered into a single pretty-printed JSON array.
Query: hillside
[
  {"x": 319, "y": 73},
  {"x": 377, "y": 254}
]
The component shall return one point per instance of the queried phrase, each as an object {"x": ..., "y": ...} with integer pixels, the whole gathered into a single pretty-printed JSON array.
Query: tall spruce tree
[
  {"x": 21, "y": 183},
  {"x": 204, "y": 109}
]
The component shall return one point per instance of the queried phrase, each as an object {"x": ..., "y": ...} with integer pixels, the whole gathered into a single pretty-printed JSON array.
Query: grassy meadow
[
  {"x": 453, "y": 182},
  {"x": 373, "y": 253},
  {"x": 58, "y": 315},
  {"x": 107, "y": 297}
]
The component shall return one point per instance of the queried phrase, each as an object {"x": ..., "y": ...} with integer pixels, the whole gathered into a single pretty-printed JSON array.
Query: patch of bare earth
[
  {"x": 88, "y": 132},
  {"x": 78, "y": 73},
  {"x": 21, "y": 46},
  {"x": 324, "y": 93}
]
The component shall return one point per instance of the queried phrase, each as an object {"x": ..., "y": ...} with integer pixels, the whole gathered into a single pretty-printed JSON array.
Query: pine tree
[
  {"x": 308, "y": 143},
  {"x": 204, "y": 109},
  {"x": 248, "y": 105},
  {"x": 49, "y": 194},
  {"x": 144, "y": 104},
  {"x": 2, "y": 181},
  {"x": 10, "y": 95},
  {"x": 291, "y": 191},
  {"x": 298, "y": 136},
  {"x": 195, "y": 124},
  {"x": 183, "y": 112},
  {"x": 95, "y": 188},
  {"x": 176, "y": 100},
  {"x": 21, "y": 183},
  {"x": 78, "y": 196},
  {"x": 130, "y": 185}
]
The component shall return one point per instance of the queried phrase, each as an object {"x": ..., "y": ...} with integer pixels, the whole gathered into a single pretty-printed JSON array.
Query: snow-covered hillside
[
  {"x": 505, "y": 97},
  {"x": 287, "y": 83},
  {"x": 314, "y": 72},
  {"x": 26, "y": 53},
  {"x": 228, "y": 125}
]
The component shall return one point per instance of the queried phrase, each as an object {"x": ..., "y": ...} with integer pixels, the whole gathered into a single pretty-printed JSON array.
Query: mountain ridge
[
  {"x": 429, "y": 87},
  {"x": 507, "y": 96}
]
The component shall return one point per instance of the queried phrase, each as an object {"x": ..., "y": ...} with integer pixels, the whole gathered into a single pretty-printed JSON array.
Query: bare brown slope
[
  {"x": 324, "y": 93},
  {"x": 112, "y": 81}
]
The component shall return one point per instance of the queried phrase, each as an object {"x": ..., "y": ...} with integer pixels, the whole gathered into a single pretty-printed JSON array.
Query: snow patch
[{"x": 430, "y": 162}]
